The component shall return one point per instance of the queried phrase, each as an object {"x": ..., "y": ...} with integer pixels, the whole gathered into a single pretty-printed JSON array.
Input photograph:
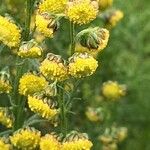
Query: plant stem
[
  {"x": 62, "y": 111},
  {"x": 18, "y": 100},
  {"x": 28, "y": 19},
  {"x": 72, "y": 37}
]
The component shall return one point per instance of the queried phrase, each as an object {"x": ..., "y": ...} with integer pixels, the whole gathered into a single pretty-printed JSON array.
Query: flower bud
[{"x": 92, "y": 40}]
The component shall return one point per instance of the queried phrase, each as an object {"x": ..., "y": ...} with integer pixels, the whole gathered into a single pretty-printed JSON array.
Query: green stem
[
  {"x": 62, "y": 111},
  {"x": 28, "y": 19},
  {"x": 72, "y": 37},
  {"x": 18, "y": 100}
]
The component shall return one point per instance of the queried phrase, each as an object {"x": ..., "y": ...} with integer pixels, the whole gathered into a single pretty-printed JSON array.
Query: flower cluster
[
  {"x": 53, "y": 68},
  {"x": 52, "y": 6},
  {"x": 112, "y": 136},
  {"x": 26, "y": 139},
  {"x": 5, "y": 86},
  {"x": 112, "y": 17},
  {"x": 81, "y": 11},
  {"x": 48, "y": 142},
  {"x": 5, "y": 118},
  {"x": 30, "y": 84},
  {"x": 4, "y": 145},
  {"x": 76, "y": 141},
  {"x": 103, "y": 4},
  {"x": 82, "y": 65},
  {"x": 46, "y": 24},
  {"x": 30, "y": 49},
  {"x": 112, "y": 90},
  {"x": 43, "y": 107},
  {"x": 95, "y": 114},
  {"x": 10, "y": 34}
]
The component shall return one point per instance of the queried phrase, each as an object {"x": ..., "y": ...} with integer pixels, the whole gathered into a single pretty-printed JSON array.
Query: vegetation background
[{"x": 126, "y": 59}]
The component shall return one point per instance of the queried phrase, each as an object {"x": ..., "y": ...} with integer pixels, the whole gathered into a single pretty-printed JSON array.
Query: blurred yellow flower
[
  {"x": 10, "y": 34},
  {"x": 82, "y": 65},
  {"x": 103, "y": 4},
  {"x": 42, "y": 107},
  {"x": 49, "y": 142},
  {"x": 112, "y": 90},
  {"x": 81, "y": 12},
  {"x": 5, "y": 86},
  {"x": 5, "y": 118},
  {"x": 30, "y": 84},
  {"x": 4, "y": 146},
  {"x": 26, "y": 139}
]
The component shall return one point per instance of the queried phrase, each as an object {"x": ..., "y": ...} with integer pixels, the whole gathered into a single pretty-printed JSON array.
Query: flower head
[
  {"x": 10, "y": 34},
  {"x": 5, "y": 118},
  {"x": 103, "y": 4},
  {"x": 26, "y": 139},
  {"x": 95, "y": 114},
  {"x": 52, "y": 6},
  {"x": 76, "y": 141},
  {"x": 30, "y": 49},
  {"x": 115, "y": 17},
  {"x": 30, "y": 84},
  {"x": 48, "y": 142},
  {"x": 112, "y": 90},
  {"x": 3, "y": 145},
  {"x": 5, "y": 86},
  {"x": 53, "y": 68},
  {"x": 43, "y": 107},
  {"x": 46, "y": 24},
  {"x": 92, "y": 40},
  {"x": 81, "y": 11},
  {"x": 112, "y": 17},
  {"x": 82, "y": 65}
]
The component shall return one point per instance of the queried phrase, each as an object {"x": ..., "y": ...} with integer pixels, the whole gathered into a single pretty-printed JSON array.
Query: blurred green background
[{"x": 126, "y": 60}]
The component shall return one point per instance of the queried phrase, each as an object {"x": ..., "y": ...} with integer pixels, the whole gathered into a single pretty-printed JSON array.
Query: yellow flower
[
  {"x": 53, "y": 68},
  {"x": 49, "y": 142},
  {"x": 122, "y": 133},
  {"x": 115, "y": 17},
  {"x": 5, "y": 86},
  {"x": 26, "y": 139},
  {"x": 42, "y": 107},
  {"x": 30, "y": 49},
  {"x": 30, "y": 84},
  {"x": 103, "y": 4},
  {"x": 110, "y": 146},
  {"x": 46, "y": 24},
  {"x": 94, "y": 114},
  {"x": 92, "y": 40},
  {"x": 77, "y": 145},
  {"x": 82, "y": 65},
  {"x": 5, "y": 118},
  {"x": 81, "y": 12},
  {"x": 76, "y": 141},
  {"x": 52, "y": 6},
  {"x": 3, "y": 145},
  {"x": 112, "y": 90},
  {"x": 9, "y": 33}
]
